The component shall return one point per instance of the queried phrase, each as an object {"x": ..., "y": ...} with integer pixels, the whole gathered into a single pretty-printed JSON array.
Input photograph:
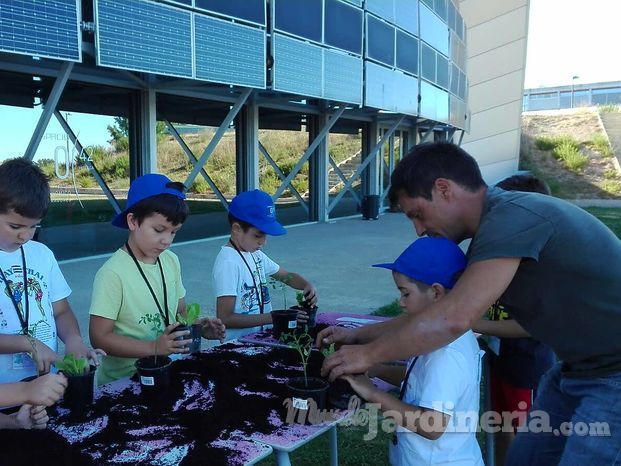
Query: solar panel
[
  {"x": 249, "y": 10},
  {"x": 343, "y": 26},
  {"x": 342, "y": 77},
  {"x": 380, "y": 41},
  {"x": 229, "y": 53},
  {"x": 406, "y": 15},
  {"x": 390, "y": 90},
  {"x": 302, "y": 18},
  {"x": 385, "y": 9},
  {"x": 434, "y": 103},
  {"x": 297, "y": 66},
  {"x": 141, "y": 35},
  {"x": 44, "y": 28}
]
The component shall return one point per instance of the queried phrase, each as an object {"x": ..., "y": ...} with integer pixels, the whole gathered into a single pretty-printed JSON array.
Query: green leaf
[{"x": 72, "y": 366}]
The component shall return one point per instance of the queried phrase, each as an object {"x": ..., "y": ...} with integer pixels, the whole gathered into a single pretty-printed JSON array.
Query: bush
[
  {"x": 600, "y": 144},
  {"x": 545, "y": 143},
  {"x": 609, "y": 108},
  {"x": 199, "y": 186},
  {"x": 571, "y": 156}
]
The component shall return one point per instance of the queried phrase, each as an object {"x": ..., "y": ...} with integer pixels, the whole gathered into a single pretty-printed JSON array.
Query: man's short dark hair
[
  {"x": 417, "y": 172},
  {"x": 24, "y": 188},
  {"x": 170, "y": 206},
  {"x": 525, "y": 182}
]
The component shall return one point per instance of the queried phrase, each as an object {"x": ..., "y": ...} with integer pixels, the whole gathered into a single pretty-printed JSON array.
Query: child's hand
[
  {"x": 361, "y": 384},
  {"x": 45, "y": 356},
  {"x": 213, "y": 329},
  {"x": 310, "y": 294},
  {"x": 302, "y": 318},
  {"x": 45, "y": 390},
  {"x": 80, "y": 350},
  {"x": 166, "y": 343},
  {"x": 31, "y": 417}
]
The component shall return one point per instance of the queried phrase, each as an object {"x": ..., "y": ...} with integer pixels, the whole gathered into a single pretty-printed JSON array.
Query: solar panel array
[
  {"x": 143, "y": 35},
  {"x": 43, "y": 28}
]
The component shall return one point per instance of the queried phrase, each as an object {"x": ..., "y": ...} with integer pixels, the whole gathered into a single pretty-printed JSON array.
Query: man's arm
[
  {"x": 481, "y": 284},
  {"x": 501, "y": 328}
]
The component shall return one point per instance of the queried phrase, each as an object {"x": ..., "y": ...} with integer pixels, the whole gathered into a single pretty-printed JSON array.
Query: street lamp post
[{"x": 573, "y": 80}]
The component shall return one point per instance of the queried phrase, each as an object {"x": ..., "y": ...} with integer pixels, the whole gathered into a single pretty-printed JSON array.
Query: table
[
  {"x": 225, "y": 406},
  {"x": 323, "y": 320}
]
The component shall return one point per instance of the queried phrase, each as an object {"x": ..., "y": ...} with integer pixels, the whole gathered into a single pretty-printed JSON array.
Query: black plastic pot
[
  {"x": 339, "y": 394},
  {"x": 80, "y": 390},
  {"x": 154, "y": 374},
  {"x": 312, "y": 315},
  {"x": 195, "y": 335},
  {"x": 284, "y": 321},
  {"x": 312, "y": 388}
]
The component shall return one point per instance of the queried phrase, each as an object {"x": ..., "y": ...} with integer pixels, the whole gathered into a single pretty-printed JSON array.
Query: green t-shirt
[
  {"x": 567, "y": 289},
  {"x": 120, "y": 294}
]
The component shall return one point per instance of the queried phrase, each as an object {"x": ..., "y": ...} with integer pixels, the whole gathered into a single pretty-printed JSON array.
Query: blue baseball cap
[
  {"x": 430, "y": 260},
  {"x": 143, "y": 187},
  {"x": 257, "y": 208}
]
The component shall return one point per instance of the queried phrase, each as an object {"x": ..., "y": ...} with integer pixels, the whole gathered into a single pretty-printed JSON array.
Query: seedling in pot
[
  {"x": 72, "y": 366},
  {"x": 80, "y": 380},
  {"x": 155, "y": 322},
  {"x": 188, "y": 322},
  {"x": 303, "y": 344}
]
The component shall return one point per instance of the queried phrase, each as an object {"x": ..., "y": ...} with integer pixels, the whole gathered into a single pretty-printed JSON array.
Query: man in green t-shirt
[{"x": 554, "y": 264}]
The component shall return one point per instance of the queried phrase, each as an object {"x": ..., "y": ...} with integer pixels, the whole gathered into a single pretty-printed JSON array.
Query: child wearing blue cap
[
  {"x": 438, "y": 406},
  {"x": 143, "y": 278},
  {"x": 241, "y": 269}
]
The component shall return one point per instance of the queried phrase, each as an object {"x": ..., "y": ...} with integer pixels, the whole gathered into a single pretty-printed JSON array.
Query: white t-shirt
[
  {"x": 231, "y": 277},
  {"x": 445, "y": 380},
  {"x": 46, "y": 285}
]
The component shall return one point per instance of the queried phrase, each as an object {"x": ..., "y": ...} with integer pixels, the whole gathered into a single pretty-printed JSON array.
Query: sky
[{"x": 566, "y": 38}]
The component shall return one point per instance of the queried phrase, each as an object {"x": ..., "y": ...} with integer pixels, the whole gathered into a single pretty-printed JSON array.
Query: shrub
[
  {"x": 571, "y": 156},
  {"x": 600, "y": 144},
  {"x": 609, "y": 108},
  {"x": 545, "y": 143}
]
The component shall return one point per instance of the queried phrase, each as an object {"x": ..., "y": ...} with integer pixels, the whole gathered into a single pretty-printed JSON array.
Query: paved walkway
[{"x": 336, "y": 257}]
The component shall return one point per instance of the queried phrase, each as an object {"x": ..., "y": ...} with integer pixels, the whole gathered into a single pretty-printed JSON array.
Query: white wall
[{"x": 496, "y": 41}]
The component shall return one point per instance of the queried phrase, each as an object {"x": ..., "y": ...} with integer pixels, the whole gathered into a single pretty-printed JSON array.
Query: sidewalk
[{"x": 336, "y": 257}]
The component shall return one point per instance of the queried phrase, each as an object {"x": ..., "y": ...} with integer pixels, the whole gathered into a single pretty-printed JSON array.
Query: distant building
[{"x": 570, "y": 96}]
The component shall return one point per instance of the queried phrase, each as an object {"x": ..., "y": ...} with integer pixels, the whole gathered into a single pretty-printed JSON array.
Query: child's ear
[
  {"x": 132, "y": 222},
  {"x": 438, "y": 291}
]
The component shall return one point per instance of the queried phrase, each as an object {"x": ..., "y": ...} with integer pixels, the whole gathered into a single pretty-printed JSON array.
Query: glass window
[
  {"x": 380, "y": 41},
  {"x": 343, "y": 26},
  {"x": 462, "y": 86},
  {"x": 406, "y": 15},
  {"x": 459, "y": 26},
  {"x": 433, "y": 30},
  {"x": 451, "y": 15},
  {"x": 428, "y": 63},
  {"x": 407, "y": 52},
  {"x": 454, "y": 85},
  {"x": 302, "y": 18},
  {"x": 250, "y": 10},
  {"x": 439, "y": 6},
  {"x": 385, "y": 9},
  {"x": 442, "y": 74}
]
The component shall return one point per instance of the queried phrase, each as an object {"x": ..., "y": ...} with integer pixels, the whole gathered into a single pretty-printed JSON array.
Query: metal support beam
[
  {"x": 318, "y": 169},
  {"x": 148, "y": 124},
  {"x": 370, "y": 177},
  {"x": 216, "y": 137},
  {"x": 49, "y": 107},
  {"x": 247, "y": 147},
  {"x": 372, "y": 156},
  {"x": 192, "y": 158},
  {"x": 461, "y": 137},
  {"x": 341, "y": 175},
  {"x": 282, "y": 176},
  {"x": 311, "y": 148},
  {"x": 84, "y": 156},
  {"x": 427, "y": 136}
]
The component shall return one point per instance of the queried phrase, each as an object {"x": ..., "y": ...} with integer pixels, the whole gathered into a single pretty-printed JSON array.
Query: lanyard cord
[
  {"x": 402, "y": 392},
  {"x": 254, "y": 282},
  {"x": 23, "y": 319},
  {"x": 144, "y": 277}
]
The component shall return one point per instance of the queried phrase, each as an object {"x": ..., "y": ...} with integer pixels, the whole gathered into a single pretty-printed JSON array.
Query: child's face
[
  {"x": 153, "y": 236},
  {"x": 251, "y": 240},
  {"x": 16, "y": 230},
  {"x": 413, "y": 300}
]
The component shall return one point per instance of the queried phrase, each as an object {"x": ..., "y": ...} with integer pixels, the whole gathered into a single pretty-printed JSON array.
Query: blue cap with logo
[
  {"x": 430, "y": 260},
  {"x": 257, "y": 208},
  {"x": 152, "y": 184}
]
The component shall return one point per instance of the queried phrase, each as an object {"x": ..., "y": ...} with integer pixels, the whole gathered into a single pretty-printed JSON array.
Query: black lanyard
[
  {"x": 404, "y": 387},
  {"x": 23, "y": 319},
  {"x": 258, "y": 290},
  {"x": 144, "y": 277}
]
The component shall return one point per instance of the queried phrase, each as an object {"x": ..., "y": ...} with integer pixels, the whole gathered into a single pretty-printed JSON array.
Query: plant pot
[
  {"x": 154, "y": 374},
  {"x": 195, "y": 335},
  {"x": 302, "y": 393},
  {"x": 80, "y": 390},
  {"x": 284, "y": 321},
  {"x": 339, "y": 394}
]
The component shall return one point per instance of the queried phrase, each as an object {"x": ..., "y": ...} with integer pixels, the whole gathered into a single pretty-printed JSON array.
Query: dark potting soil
[{"x": 215, "y": 400}]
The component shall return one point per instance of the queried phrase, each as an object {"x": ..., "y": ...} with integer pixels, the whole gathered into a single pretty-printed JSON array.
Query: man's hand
[
  {"x": 31, "y": 417},
  {"x": 350, "y": 359},
  {"x": 336, "y": 335},
  {"x": 310, "y": 294},
  {"x": 45, "y": 390},
  {"x": 213, "y": 329}
]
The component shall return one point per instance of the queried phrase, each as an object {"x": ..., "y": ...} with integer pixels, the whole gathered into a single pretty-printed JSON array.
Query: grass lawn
[{"x": 610, "y": 216}]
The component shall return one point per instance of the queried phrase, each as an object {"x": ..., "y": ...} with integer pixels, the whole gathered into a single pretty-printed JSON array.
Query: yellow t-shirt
[{"x": 120, "y": 294}]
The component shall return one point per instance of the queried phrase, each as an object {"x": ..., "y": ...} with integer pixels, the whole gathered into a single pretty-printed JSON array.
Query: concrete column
[
  {"x": 247, "y": 147},
  {"x": 370, "y": 181},
  {"x": 142, "y": 133},
  {"x": 318, "y": 170}
]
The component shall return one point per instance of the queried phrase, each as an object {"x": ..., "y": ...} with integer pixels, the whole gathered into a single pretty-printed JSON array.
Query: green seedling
[
  {"x": 72, "y": 366},
  {"x": 157, "y": 327},
  {"x": 303, "y": 344},
  {"x": 193, "y": 311},
  {"x": 328, "y": 350}
]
